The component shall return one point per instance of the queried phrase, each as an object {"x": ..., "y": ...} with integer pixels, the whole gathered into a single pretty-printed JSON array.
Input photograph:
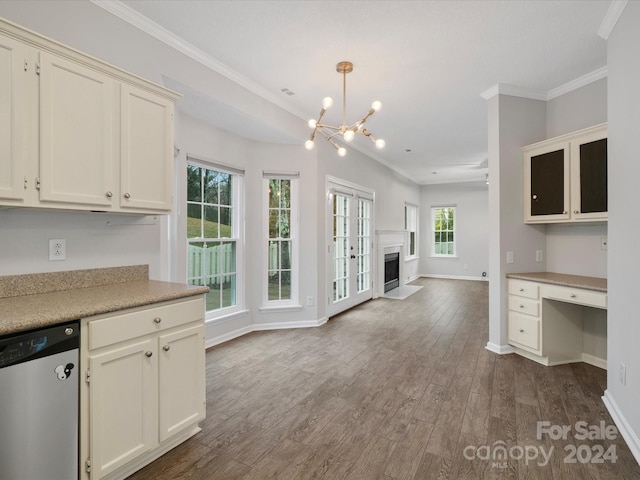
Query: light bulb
[
  {"x": 376, "y": 105},
  {"x": 342, "y": 151},
  {"x": 348, "y": 135},
  {"x": 312, "y": 123},
  {"x": 327, "y": 102},
  {"x": 309, "y": 144},
  {"x": 380, "y": 143}
]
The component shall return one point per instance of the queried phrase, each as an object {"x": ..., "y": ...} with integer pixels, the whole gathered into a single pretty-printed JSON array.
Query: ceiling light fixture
[{"x": 348, "y": 132}]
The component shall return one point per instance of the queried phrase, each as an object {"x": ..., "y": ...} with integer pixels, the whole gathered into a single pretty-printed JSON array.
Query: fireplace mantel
[{"x": 390, "y": 241}]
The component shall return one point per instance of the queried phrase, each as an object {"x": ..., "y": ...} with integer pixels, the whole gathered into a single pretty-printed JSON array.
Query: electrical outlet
[
  {"x": 538, "y": 255},
  {"x": 57, "y": 249},
  {"x": 623, "y": 374},
  {"x": 509, "y": 257},
  {"x": 309, "y": 301}
]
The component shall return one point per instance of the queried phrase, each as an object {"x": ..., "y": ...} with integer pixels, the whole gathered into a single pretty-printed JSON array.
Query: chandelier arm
[
  {"x": 344, "y": 98},
  {"x": 329, "y": 127}
]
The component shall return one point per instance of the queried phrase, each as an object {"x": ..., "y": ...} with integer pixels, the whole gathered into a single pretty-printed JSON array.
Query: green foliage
[{"x": 211, "y": 229}]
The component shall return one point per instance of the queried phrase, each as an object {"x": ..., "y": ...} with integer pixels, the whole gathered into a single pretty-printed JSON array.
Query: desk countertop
[{"x": 577, "y": 281}]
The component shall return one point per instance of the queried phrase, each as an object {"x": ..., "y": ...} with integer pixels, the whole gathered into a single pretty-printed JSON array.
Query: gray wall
[
  {"x": 472, "y": 230},
  {"x": 624, "y": 228}
]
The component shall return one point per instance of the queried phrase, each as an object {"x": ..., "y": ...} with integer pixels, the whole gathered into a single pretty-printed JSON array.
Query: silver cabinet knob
[
  {"x": 573, "y": 295},
  {"x": 535, "y": 197},
  {"x": 521, "y": 290},
  {"x": 157, "y": 320},
  {"x": 127, "y": 195},
  {"x": 148, "y": 354},
  {"x": 109, "y": 194},
  {"x": 521, "y": 306},
  {"x": 576, "y": 211},
  {"x": 522, "y": 330},
  {"x": 166, "y": 348}
]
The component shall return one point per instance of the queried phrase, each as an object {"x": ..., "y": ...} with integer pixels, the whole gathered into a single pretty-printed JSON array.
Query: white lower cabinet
[{"x": 145, "y": 385}]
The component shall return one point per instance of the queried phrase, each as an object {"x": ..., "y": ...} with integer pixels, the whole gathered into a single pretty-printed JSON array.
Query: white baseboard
[
  {"x": 212, "y": 342},
  {"x": 499, "y": 349},
  {"x": 595, "y": 361},
  {"x": 623, "y": 426},
  {"x": 452, "y": 277}
]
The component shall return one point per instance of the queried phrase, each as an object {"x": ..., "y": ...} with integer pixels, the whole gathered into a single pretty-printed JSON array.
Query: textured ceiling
[{"x": 426, "y": 61}]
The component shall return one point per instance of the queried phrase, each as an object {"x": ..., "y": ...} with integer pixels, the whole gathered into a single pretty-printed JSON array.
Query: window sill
[
  {"x": 410, "y": 259},
  {"x": 445, "y": 257},
  {"x": 281, "y": 308}
]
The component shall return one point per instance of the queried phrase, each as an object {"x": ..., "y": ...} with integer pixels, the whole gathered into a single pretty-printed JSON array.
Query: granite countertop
[
  {"x": 578, "y": 281},
  {"x": 39, "y": 308}
]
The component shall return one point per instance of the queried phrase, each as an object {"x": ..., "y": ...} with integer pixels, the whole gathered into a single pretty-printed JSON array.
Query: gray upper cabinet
[{"x": 565, "y": 178}]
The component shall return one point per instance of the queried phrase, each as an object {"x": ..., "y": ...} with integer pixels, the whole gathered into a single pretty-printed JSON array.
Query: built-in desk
[{"x": 557, "y": 318}]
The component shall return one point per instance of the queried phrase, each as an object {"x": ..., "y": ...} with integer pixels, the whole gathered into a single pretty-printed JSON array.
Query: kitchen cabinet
[
  {"x": 145, "y": 385},
  {"x": 545, "y": 321},
  {"x": 565, "y": 178},
  {"x": 80, "y": 134}
]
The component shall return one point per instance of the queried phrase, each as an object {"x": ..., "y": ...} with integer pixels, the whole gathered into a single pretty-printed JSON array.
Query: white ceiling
[{"x": 427, "y": 62}]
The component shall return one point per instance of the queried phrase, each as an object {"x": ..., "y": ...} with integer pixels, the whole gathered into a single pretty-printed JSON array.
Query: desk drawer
[
  {"x": 524, "y": 305},
  {"x": 590, "y": 298},
  {"x": 524, "y": 330},
  {"x": 523, "y": 289}
]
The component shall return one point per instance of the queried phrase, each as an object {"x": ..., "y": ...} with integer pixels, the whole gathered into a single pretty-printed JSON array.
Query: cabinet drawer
[
  {"x": 580, "y": 296},
  {"x": 110, "y": 329},
  {"x": 524, "y": 305},
  {"x": 523, "y": 289},
  {"x": 524, "y": 330}
]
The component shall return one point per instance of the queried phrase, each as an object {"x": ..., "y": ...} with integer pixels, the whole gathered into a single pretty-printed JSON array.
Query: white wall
[
  {"x": 580, "y": 108},
  {"x": 472, "y": 230},
  {"x": 624, "y": 228}
]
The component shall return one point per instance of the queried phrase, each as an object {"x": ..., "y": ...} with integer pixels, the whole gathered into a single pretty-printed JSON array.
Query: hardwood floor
[{"x": 394, "y": 390}]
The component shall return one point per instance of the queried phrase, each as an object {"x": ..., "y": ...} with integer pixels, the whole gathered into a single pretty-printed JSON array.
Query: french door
[{"x": 350, "y": 248}]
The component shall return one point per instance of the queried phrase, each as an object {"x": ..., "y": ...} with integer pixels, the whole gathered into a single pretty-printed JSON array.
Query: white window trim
[
  {"x": 416, "y": 255},
  {"x": 221, "y": 314},
  {"x": 294, "y": 301},
  {"x": 455, "y": 235}
]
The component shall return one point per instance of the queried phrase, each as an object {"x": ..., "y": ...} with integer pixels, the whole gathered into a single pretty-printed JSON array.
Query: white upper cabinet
[
  {"x": 77, "y": 133},
  {"x": 565, "y": 178},
  {"x": 12, "y": 109}
]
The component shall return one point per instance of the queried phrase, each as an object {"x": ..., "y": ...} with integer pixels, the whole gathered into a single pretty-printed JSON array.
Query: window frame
[
  {"x": 294, "y": 188},
  {"x": 434, "y": 210},
  {"x": 237, "y": 232},
  {"x": 408, "y": 208}
]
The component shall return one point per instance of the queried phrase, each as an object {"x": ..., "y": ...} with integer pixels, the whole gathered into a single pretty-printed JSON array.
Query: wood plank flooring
[{"x": 393, "y": 389}]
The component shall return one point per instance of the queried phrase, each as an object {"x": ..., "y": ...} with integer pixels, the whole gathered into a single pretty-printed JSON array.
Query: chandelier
[{"x": 348, "y": 132}]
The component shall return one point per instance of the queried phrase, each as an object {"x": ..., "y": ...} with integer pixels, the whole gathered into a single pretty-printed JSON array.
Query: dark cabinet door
[
  {"x": 593, "y": 176},
  {"x": 547, "y": 183}
]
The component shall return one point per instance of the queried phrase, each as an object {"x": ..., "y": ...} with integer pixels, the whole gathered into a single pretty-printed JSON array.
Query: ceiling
[{"x": 428, "y": 62}]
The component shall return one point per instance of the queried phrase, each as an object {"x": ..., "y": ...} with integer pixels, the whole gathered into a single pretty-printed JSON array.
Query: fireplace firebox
[{"x": 391, "y": 271}]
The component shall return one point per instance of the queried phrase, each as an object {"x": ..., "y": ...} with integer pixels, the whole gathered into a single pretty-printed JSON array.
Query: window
[
  {"x": 281, "y": 241},
  {"x": 411, "y": 225},
  {"x": 444, "y": 233},
  {"x": 213, "y": 233}
]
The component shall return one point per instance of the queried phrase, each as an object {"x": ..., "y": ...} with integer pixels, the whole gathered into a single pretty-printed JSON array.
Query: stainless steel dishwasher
[{"x": 39, "y": 404}]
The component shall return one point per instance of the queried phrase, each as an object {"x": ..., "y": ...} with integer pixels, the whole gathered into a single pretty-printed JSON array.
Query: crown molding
[
  {"x": 136, "y": 19},
  {"x": 611, "y": 18},
  {"x": 512, "y": 90},
  {"x": 577, "y": 83}
]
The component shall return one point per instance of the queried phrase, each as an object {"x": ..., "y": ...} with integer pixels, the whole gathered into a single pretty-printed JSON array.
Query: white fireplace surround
[{"x": 389, "y": 241}]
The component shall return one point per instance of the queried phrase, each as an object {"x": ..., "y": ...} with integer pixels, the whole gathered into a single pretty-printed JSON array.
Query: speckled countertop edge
[
  {"x": 578, "y": 281},
  {"x": 40, "y": 310}
]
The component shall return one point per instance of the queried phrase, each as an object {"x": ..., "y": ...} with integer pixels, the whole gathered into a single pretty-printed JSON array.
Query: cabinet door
[
  {"x": 547, "y": 183},
  {"x": 76, "y": 162},
  {"x": 182, "y": 393},
  {"x": 123, "y": 405},
  {"x": 589, "y": 172},
  {"x": 12, "y": 109},
  {"x": 146, "y": 150}
]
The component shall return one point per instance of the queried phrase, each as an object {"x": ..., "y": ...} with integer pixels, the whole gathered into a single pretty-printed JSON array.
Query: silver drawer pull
[
  {"x": 127, "y": 196},
  {"x": 521, "y": 290},
  {"x": 148, "y": 354},
  {"x": 157, "y": 320},
  {"x": 521, "y": 306},
  {"x": 522, "y": 330},
  {"x": 166, "y": 348},
  {"x": 573, "y": 295}
]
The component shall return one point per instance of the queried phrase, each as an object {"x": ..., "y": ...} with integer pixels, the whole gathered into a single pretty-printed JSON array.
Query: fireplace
[{"x": 391, "y": 271}]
